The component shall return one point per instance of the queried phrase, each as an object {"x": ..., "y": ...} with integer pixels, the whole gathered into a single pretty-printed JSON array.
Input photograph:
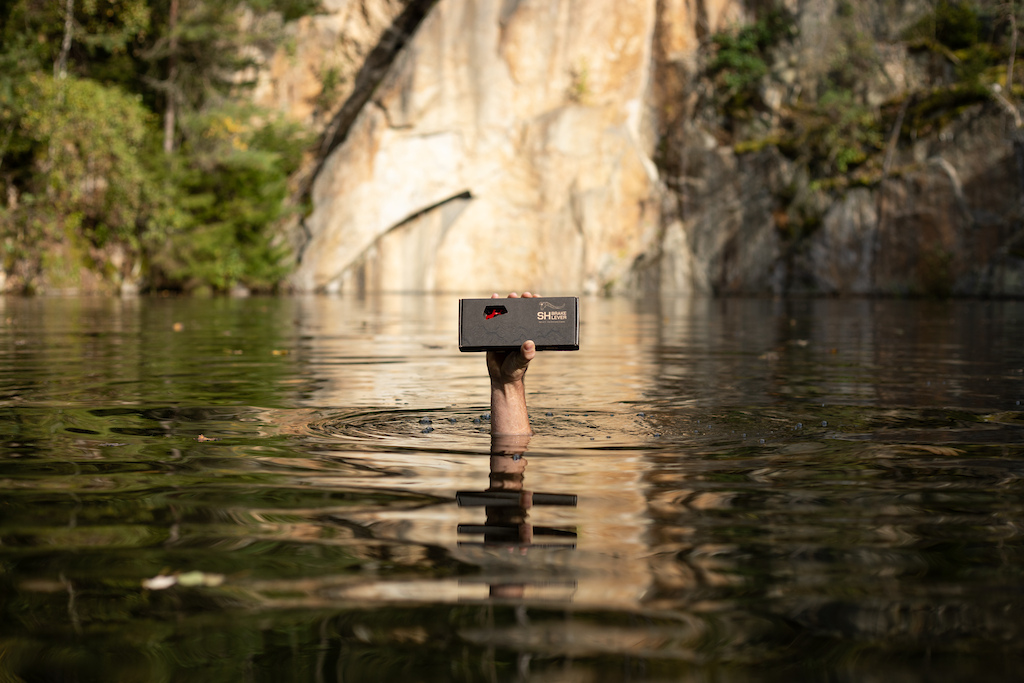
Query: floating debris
[
  {"x": 159, "y": 582},
  {"x": 188, "y": 579}
]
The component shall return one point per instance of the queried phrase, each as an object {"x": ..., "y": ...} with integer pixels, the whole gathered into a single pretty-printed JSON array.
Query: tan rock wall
[
  {"x": 537, "y": 110},
  {"x": 537, "y": 115}
]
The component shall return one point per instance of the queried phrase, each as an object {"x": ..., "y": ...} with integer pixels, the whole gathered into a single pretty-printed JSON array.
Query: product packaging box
[{"x": 504, "y": 324}]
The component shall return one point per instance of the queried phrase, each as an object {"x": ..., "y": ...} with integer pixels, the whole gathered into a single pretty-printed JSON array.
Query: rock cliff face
[
  {"x": 567, "y": 145},
  {"x": 508, "y": 144}
]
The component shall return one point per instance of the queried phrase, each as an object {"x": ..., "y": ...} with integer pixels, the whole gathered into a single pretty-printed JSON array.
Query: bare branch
[
  {"x": 60, "y": 69},
  {"x": 1013, "y": 50}
]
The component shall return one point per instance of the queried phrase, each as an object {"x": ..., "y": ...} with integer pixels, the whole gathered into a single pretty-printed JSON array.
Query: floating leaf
[
  {"x": 188, "y": 579},
  {"x": 197, "y": 578}
]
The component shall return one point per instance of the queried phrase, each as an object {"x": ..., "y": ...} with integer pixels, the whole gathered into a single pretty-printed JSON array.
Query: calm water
[{"x": 722, "y": 490}]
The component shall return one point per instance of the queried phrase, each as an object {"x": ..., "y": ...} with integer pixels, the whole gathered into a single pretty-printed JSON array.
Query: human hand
[
  {"x": 509, "y": 367},
  {"x": 508, "y": 392}
]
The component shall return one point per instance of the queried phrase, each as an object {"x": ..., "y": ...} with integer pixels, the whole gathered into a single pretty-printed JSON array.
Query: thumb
[{"x": 526, "y": 353}]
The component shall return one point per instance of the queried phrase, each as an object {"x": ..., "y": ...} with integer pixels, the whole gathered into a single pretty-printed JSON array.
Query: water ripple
[{"x": 468, "y": 431}]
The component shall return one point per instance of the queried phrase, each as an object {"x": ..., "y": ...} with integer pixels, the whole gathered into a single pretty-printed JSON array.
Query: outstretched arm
[{"x": 508, "y": 392}]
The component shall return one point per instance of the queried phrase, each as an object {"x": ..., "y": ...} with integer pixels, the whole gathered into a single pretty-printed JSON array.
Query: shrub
[
  {"x": 740, "y": 60},
  {"x": 229, "y": 182},
  {"x": 83, "y": 140}
]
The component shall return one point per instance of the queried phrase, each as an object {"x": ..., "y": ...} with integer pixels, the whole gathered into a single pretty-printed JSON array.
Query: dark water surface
[{"x": 722, "y": 490}]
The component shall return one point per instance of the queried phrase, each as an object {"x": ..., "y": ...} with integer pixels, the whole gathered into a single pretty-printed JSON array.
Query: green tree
[
  {"x": 88, "y": 91},
  {"x": 84, "y": 180},
  {"x": 229, "y": 181},
  {"x": 92, "y": 38}
]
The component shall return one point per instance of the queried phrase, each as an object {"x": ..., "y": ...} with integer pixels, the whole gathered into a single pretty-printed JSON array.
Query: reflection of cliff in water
[{"x": 851, "y": 352}]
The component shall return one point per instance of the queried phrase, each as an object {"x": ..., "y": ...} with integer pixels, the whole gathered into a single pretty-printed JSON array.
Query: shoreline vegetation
[
  {"x": 133, "y": 160},
  {"x": 130, "y": 158}
]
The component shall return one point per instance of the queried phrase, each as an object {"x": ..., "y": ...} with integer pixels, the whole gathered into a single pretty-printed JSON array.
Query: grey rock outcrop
[
  {"x": 945, "y": 218},
  {"x": 947, "y": 224}
]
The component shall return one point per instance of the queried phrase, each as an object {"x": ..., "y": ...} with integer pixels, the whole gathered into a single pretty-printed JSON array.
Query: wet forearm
[{"x": 508, "y": 409}]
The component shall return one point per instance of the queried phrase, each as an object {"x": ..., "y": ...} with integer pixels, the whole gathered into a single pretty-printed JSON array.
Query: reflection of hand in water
[
  {"x": 508, "y": 468},
  {"x": 506, "y": 501}
]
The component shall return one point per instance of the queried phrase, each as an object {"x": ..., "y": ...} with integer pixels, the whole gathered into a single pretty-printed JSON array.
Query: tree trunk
[
  {"x": 1013, "y": 51},
  {"x": 172, "y": 76},
  {"x": 60, "y": 69}
]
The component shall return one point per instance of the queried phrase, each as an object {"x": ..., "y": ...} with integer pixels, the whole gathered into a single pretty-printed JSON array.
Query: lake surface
[{"x": 301, "y": 489}]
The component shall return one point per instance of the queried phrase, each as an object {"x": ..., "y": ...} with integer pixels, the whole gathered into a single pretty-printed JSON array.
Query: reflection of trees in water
[
  {"x": 214, "y": 636},
  {"x": 756, "y": 556}
]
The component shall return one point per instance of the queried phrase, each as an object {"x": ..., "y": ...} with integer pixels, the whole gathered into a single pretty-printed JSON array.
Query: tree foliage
[
  {"x": 84, "y": 101},
  {"x": 229, "y": 184},
  {"x": 85, "y": 142}
]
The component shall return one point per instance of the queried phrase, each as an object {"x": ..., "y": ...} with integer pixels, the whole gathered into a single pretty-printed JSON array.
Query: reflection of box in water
[
  {"x": 504, "y": 324},
  {"x": 509, "y": 535},
  {"x": 506, "y": 522},
  {"x": 476, "y": 589},
  {"x": 512, "y": 498}
]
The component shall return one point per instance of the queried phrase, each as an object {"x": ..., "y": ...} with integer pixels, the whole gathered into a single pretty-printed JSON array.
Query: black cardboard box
[{"x": 504, "y": 324}]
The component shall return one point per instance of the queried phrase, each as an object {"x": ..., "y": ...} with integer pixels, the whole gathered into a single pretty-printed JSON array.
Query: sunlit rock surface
[{"x": 509, "y": 144}]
